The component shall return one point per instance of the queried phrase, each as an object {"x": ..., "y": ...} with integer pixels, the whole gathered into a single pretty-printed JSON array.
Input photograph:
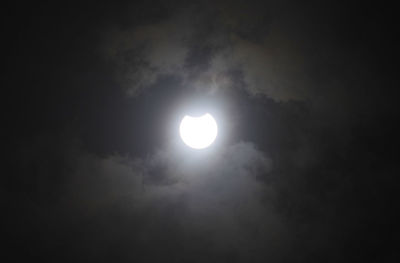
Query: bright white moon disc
[{"x": 198, "y": 132}]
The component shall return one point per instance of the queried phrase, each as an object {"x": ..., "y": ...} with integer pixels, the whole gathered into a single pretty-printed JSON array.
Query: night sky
[{"x": 303, "y": 168}]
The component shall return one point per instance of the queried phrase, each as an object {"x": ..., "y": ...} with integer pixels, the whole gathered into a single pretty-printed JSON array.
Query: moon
[{"x": 198, "y": 132}]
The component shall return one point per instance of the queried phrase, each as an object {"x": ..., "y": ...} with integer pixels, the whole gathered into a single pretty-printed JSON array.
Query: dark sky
[{"x": 303, "y": 169}]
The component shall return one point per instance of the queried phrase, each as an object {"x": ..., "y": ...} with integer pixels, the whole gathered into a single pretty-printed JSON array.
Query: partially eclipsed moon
[{"x": 198, "y": 132}]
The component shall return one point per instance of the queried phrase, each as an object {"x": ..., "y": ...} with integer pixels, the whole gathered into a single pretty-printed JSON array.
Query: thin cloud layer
[
  {"x": 211, "y": 206},
  {"x": 271, "y": 64}
]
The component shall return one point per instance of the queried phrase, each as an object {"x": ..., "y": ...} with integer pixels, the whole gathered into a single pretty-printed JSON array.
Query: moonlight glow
[{"x": 198, "y": 132}]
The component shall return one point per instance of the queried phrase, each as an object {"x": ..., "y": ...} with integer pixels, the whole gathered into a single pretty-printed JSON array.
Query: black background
[{"x": 332, "y": 149}]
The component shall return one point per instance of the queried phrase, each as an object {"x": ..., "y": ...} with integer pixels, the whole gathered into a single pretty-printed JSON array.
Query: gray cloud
[
  {"x": 272, "y": 63},
  {"x": 214, "y": 198}
]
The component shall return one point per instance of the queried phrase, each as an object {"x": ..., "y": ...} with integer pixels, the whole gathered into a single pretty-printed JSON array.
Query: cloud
[
  {"x": 204, "y": 46},
  {"x": 144, "y": 54},
  {"x": 215, "y": 198},
  {"x": 213, "y": 203}
]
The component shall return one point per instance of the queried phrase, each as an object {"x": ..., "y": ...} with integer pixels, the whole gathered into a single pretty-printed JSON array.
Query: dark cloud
[
  {"x": 201, "y": 44},
  {"x": 213, "y": 201}
]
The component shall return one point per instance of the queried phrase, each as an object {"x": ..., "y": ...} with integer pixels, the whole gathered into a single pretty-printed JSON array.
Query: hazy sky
[{"x": 303, "y": 166}]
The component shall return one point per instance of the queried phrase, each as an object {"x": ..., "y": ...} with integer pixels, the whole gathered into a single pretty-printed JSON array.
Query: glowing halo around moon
[{"x": 198, "y": 132}]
